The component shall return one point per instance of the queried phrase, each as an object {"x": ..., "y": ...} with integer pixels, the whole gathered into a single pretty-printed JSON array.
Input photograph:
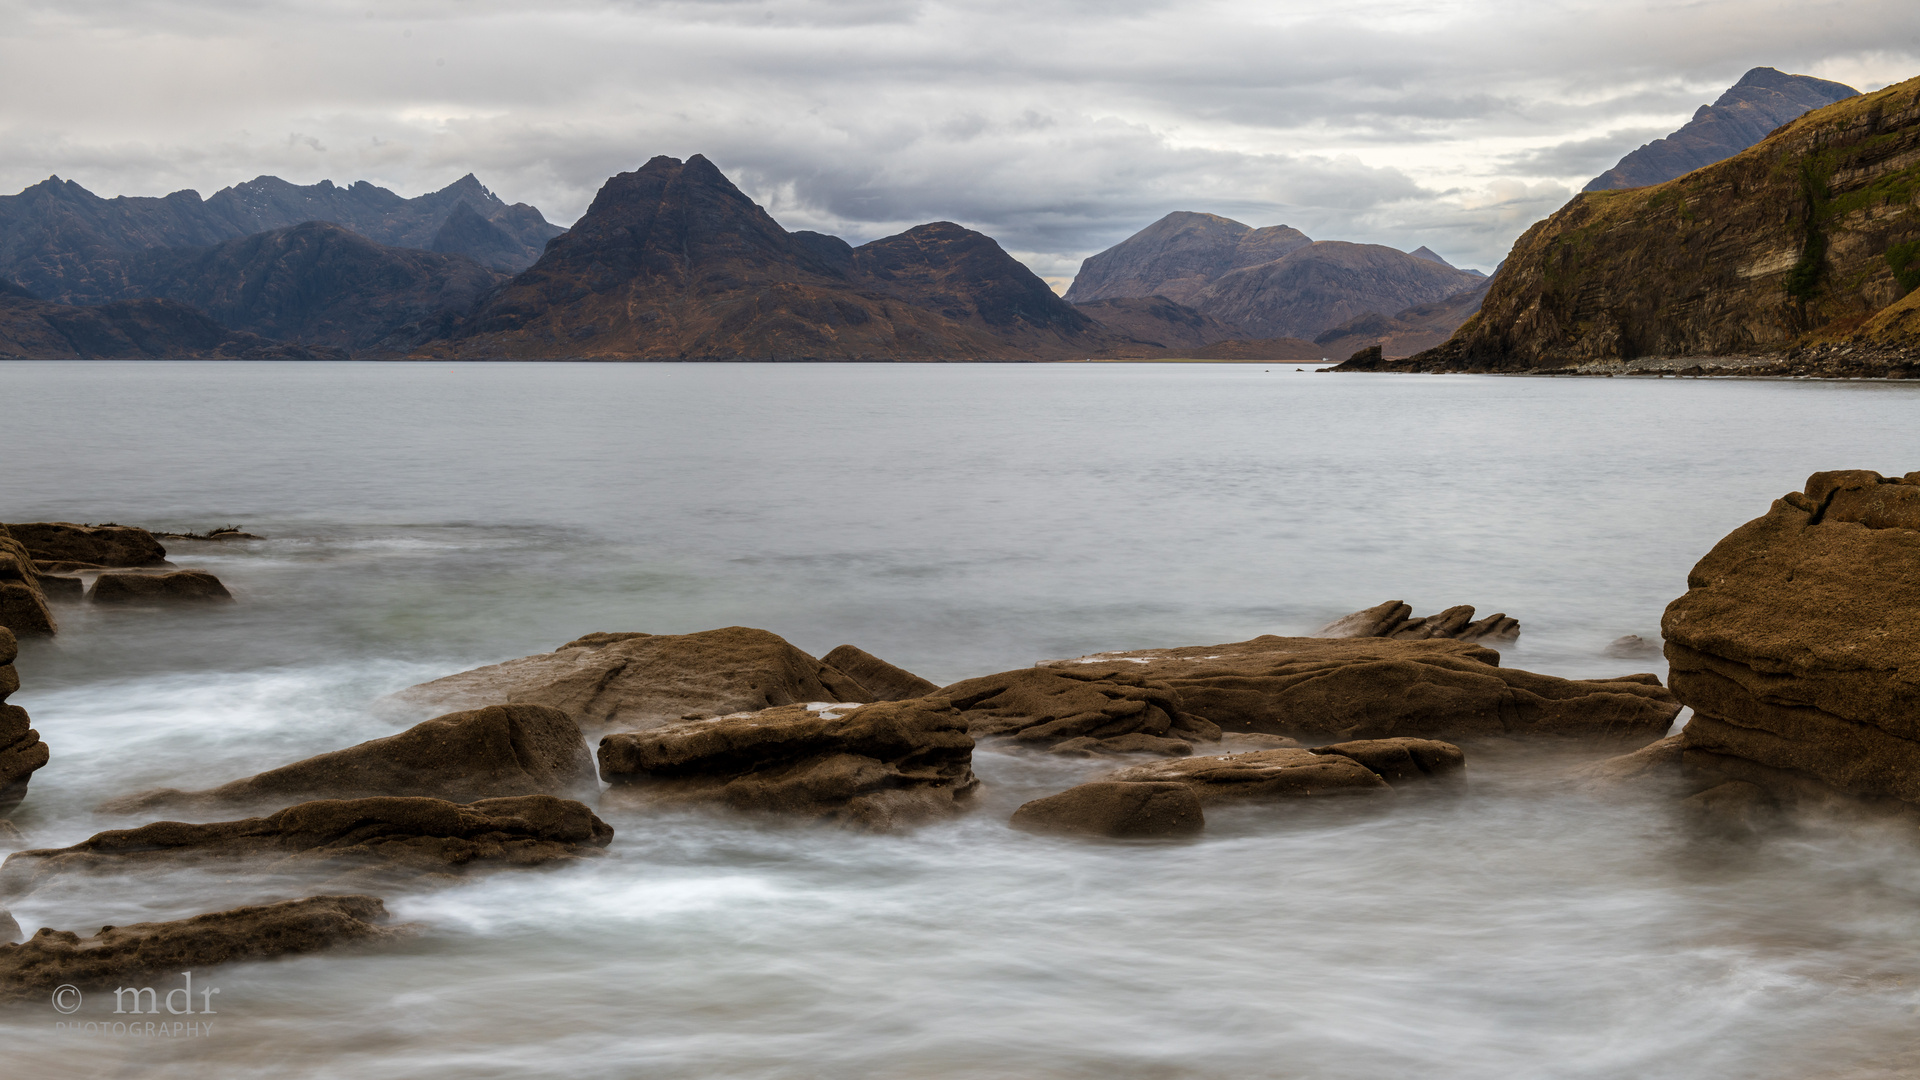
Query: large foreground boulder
[
  {"x": 1081, "y": 709},
  {"x": 89, "y": 545},
  {"x": 177, "y": 587},
  {"x": 1338, "y": 689},
  {"x": 118, "y": 954},
  {"x": 1797, "y": 645},
  {"x": 631, "y": 681},
  {"x": 23, "y": 601},
  {"x": 1116, "y": 809},
  {"x": 877, "y": 766},
  {"x": 495, "y": 752},
  {"x": 384, "y": 837},
  {"x": 1395, "y": 619},
  {"x": 21, "y": 751}
]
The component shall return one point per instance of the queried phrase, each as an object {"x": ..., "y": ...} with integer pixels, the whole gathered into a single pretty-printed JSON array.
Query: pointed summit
[{"x": 1427, "y": 253}]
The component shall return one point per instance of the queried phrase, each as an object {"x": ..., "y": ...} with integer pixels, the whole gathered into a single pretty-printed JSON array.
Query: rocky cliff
[
  {"x": 672, "y": 261},
  {"x": 1796, "y": 256},
  {"x": 1761, "y": 101}
]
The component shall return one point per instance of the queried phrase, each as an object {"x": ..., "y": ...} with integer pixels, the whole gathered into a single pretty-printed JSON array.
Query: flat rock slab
[
  {"x": 630, "y": 681},
  {"x": 95, "y": 545},
  {"x": 175, "y": 587},
  {"x": 397, "y": 837},
  {"x": 879, "y": 766},
  {"x": 1117, "y": 810},
  {"x": 1340, "y": 689},
  {"x": 1081, "y": 709},
  {"x": 53, "y": 958},
  {"x": 1399, "y": 761},
  {"x": 495, "y": 752},
  {"x": 1261, "y": 775}
]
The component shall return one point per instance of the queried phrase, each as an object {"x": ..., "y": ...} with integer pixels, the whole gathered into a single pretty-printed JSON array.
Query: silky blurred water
[{"x": 956, "y": 520}]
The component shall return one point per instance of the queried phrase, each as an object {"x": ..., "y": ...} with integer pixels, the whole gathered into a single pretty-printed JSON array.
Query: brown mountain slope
[
  {"x": 33, "y": 329},
  {"x": 1417, "y": 329},
  {"x": 673, "y": 262},
  {"x": 1787, "y": 250},
  {"x": 1156, "y": 320},
  {"x": 1178, "y": 256},
  {"x": 1326, "y": 283}
]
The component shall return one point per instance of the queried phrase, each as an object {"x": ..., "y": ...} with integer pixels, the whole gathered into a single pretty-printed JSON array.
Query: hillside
[
  {"x": 1752, "y": 108},
  {"x": 1178, "y": 256},
  {"x": 1324, "y": 284},
  {"x": 34, "y": 329}
]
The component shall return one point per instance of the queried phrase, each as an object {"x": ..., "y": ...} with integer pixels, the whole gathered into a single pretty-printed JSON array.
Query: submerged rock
[
  {"x": 1116, "y": 809},
  {"x": 54, "y": 958},
  {"x": 9, "y": 927},
  {"x": 1395, "y": 619},
  {"x": 495, "y": 752},
  {"x": 1656, "y": 764},
  {"x": 21, "y": 751},
  {"x": 632, "y": 680},
  {"x": 62, "y": 587},
  {"x": 879, "y": 766},
  {"x": 179, "y": 586},
  {"x": 390, "y": 837},
  {"x": 93, "y": 545},
  {"x": 1083, "y": 709},
  {"x": 1320, "y": 689},
  {"x": 1798, "y": 648},
  {"x": 1632, "y": 647}
]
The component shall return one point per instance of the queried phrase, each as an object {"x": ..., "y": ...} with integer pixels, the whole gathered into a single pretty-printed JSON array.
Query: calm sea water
[{"x": 956, "y": 520}]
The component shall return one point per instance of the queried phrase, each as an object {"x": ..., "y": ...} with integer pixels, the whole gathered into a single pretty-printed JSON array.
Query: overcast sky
[{"x": 1057, "y": 126}]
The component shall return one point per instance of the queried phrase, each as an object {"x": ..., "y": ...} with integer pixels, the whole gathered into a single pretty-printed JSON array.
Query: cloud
[{"x": 1057, "y": 126}]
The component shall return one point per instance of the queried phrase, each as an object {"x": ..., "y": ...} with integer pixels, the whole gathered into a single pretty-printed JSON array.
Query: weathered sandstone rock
[
  {"x": 1117, "y": 809},
  {"x": 9, "y": 928},
  {"x": 1399, "y": 761},
  {"x": 97, "y": 545},
  {"x": 632, "y": 681},
  {"x": 881, "y": 679},
  {"x": 1395, "y": 619},
  {"x": 53, "y": 958},
  {"x": 1261, "y": 775},
  {"x": 880, "y": 765},
  {"x": 1798, "y": 648},
  {"x": 1321, "y": 689},
  {"x": 180, "y": 586},
  {"x": 1656, "y": 764},
  {"x": 393, "y": 837},
  {"x": 1632, "y": 647},
  {"x": 495, "y": 752},
  {"x": 23, "y": 603},
  {"x": 21, "y": 751},
  {"x": 1081, "y": 709}
]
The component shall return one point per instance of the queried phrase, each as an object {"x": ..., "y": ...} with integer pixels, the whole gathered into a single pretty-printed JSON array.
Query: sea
[{"x": 956, "y": 520}]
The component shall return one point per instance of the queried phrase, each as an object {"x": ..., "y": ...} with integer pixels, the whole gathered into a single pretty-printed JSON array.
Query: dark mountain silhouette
[
  {"x": 673, "y": 261},
  {"x": 1178, "y": 256},
  {"x": 33, "y": 329},
  {"x": 1749, "y": 111}
]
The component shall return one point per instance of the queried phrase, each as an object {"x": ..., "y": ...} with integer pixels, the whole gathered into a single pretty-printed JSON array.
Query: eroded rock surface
[
  {"x": 1798, "y": 647},
  {"x": 52, "y": 958},
  {"x": 1117, "y": 809},
  {"x": 21, "y": 751},
  {"x": 1261, "y": 775},
  {"x": 177, "y": 587},
  {"x": 23, "y": 601},
  {"x": 1399, "y": 761},
  {"x": 91, "y": 545},
  {"x": 881, "y": 679},
  {"x": 1395, "y": 619},
  {"x": 495, "y": 752},
  {"x": 879, "y": 765},
  {"x": 1081, "y": 709}
]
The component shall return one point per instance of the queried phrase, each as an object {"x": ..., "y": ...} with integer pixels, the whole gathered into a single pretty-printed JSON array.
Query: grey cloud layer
[{"x": 1057, "y": 127}]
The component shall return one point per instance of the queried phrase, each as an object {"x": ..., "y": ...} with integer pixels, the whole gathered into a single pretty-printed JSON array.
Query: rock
[
  {"x": 389, "y": 838},
  {"x": 1120, "y": 810},
  {"x": 1735, "y": 809},
  {"x": 9, "y": 927},
  {"x": 881, "y": 679},
  {"x": 21, "y": 751},
  {"x": 1335, "y": 690},
  {"x": 1749, "y": 111},
  {"x": 97, "y": 545},
  {"x": 1797, "y": 647},
  {"x": 10, "y": 835},
  {"x": 1631, "y": 647},
  {"x": 1261, "y": 775},
  {"x": 495, "y": 752},
  {"x": 1395, "y": 619},
  {"x": 632, "y": 681},
  {"x": 117, "y": 954},
  {"x": 879, "y": 766},
  {"x": 62, "y": 587},
  {"x": 23, "y": 604},
  {"x": 1400, "y": 761},
  {"x": 1080, "y": 710},
  {"x": 179, "y": 586},
  {"x": 1655, "y": 764}
]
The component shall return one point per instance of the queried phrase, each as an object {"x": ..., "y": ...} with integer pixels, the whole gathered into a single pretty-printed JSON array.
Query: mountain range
[{"x": 1749, "y": 111}]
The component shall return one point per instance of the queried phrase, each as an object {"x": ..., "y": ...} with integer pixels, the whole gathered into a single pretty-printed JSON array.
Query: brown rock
[
  {"x": 9, "y": 928},
  {"x": 1322, "y": 689},
  {"x": 1080, "y": 709},
  {"x": 180, "y": 586},
  {"x": 388, "y": 837},
  {"x": 1116, "y": 809},
  {"x": 23, "y": 605},
  {"x": 495, "y": 752},
  {"x": 21, "y": 751},
  {"x": 879, "y": 766},
  {"x": 1395, "y": 619},
  {"x": 1261, "y": 775},
  {"x": 1402, "y": 760},
  {"x": 98, "y": 545},
  {"x": 883, "y": 681},
  {"x": 62, "y": 587},
  {"x": 1797, "y": 647},
  {"x": 1655, "y": 764},
  {"x": 118, "y": 953},
  {"x": 634, "y": 681}
]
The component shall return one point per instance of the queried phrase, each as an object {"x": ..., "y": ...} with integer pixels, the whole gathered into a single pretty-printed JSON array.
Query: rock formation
[
  {"x": 118, "y": 954},
  {"x": 174, "y": 587},
  {"x": 1314, "y": 288},
  {"x": 882, "y": 681},
  {"x": 632, "y": 680},
  {"x": 88, "y": 545},
  {"x": 21, "y": 751},
  {"x": 878, "y": 766},
  {"x": 1797, "y": 256},
  {"x": 495, "y": 752},
  {"x": 1749, "y": 111},
  {"x": 1395, "y": 619},
  {"x": 1319, "y": 689},
  {"x": 1116, "y": 809},
  {"x": 33, "y": 329},
  {"x": 1797, "y": 648},
  {"x": 385, "y": 838},
  {"x": 1108, "y": 709},
  {"x": 1178, "y": 256},
  {"x": 1261, "y": 775},
  {"x": 23, "y": 600},
  {"x": 1399, "y": 761}
]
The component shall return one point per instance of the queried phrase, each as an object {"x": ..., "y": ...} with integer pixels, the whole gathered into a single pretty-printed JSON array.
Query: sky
[{"x": 1059, "y": 127}]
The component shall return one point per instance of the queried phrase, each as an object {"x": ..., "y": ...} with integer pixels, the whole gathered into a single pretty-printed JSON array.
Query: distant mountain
[
  {"x": 1178, "y": 256},
  {"x": 1416, "y": 329},
  {"x": 34, "y": 329},
  {"x": 1427, "y": 253},
  {"x": 1156, "y": 320},
  {"x": 318, "y": 283},
  {"x": 69, "y": 245},
  {"x": 1749, "y": 111},
  {"x": 672, "y": 261}
]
